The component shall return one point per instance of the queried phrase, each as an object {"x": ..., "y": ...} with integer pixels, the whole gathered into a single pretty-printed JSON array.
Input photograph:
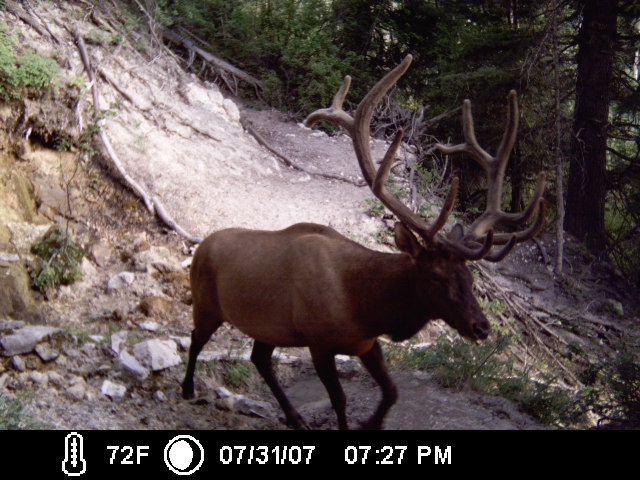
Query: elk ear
[
  {"x": 406, "y": 241},
  {"x": 456, "y": 233}
]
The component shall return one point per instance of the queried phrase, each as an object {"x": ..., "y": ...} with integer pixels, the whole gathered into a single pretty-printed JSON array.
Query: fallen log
[{"x": 216, "y": 62}]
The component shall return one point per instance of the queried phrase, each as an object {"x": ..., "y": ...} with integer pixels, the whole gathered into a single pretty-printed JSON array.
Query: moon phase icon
[{"x": 183, "y": 455}]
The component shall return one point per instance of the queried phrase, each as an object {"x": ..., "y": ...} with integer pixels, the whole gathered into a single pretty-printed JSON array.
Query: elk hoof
[
  {"x": 297, "y": 423},
  {"x": 187, "y": 393},
  {"x": 371, "y": 424}
]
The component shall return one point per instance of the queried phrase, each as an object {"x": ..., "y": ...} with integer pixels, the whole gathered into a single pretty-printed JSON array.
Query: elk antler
[
  {"x": 472, "y": 245},
  {"x": 495, "y": 168},
  {"x": 358, "y": 129}
]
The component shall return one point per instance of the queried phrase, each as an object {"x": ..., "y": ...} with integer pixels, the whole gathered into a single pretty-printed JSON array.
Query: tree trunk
[
  {"x": 587, "y": 186},
  {"x": 560, "y": 210},
  {"x": 517, "y": 183}
]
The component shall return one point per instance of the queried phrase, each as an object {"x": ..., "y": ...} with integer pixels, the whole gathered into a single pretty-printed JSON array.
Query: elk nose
[{"x": 481, "y": 330}]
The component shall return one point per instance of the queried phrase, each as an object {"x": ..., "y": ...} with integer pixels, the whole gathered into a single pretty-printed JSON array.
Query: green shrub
[
  {"x": 487, "y": 368},
  {"x": 236, "y": 372},
  {"x": 78, "y": 332},
  {"x": 13, "y": 417},
  {"x": 375, "y": 208},
  {"x": 290, "y": 45},
  {"x": 23, "y": 71},
  {"x": 59, "y": 260},
  {"x": 613, "y": 390},
  {"x": 457, "y": 363}
]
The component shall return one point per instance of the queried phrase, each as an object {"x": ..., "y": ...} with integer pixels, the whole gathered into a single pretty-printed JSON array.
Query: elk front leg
[
  {"x": 326, "y": 368},
  {"x": 374, "y": 363},
  {"x": 261, "y": 358}
]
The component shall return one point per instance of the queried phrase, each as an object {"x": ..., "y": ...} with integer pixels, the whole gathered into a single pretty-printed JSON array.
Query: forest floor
[{"x": 183, "y": 141}]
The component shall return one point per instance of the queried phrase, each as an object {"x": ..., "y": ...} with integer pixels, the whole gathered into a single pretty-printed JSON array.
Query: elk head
[{"x": 442, "y": 275}]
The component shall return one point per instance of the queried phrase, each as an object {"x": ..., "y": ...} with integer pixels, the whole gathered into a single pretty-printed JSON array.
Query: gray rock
[
  {"x": 239, "y": 403},
  {"x": 89, "y": 272},
  {"x": 114, "y": 391},
  {"x": 157, "y": 354},
  {"x": 159, "y": 396},
  {"x": 149, "y": 326},
  {"x": 100, "y": 253},
  {"x": 46, "y": 353},
  {"x": 223, "y": 392},
  {"x": 39, "y": 378},
  {"x": 128, "y": 364},
  {"x": 615, "y": 307},
  {"x": 119, "y": 340},
  {"x": 9, "y": 257},
  {"x": 25, "y": 339},
  {"x": 121, "y": 280},
  {"x": 183, "y": 342},
  {"x": 55, "y": 378},
  {"x": 8, "y": 325},
  {"x": 158, "y": 258},
  {"x": 18, "y": 364},
  {"x": 77, "y": 389}
]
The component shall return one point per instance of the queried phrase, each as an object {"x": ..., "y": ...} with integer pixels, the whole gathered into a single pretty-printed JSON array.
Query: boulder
[
  {"x": 114, "y": 391},
  {"x": 157, "y": 354},
  {"x": 25, "y": 339},
  {"x": 128, "y": 364}
]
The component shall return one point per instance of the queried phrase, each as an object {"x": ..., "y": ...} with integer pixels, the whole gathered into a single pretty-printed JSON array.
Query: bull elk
[{"x": 308, "y": 285}]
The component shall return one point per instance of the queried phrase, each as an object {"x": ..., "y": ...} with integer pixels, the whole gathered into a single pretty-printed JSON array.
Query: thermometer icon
[{"x": 74, "y": 463}]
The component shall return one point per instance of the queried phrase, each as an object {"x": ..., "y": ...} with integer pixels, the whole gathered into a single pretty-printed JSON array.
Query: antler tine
[
  {"x": 469, "y": 253},
  {"x": 403, "y": 212},
  {"x": 495, "y": 168},
  {"x": 508, "y": 239},
  {"x": 492, "y": 217},
  {"x": 335, "y": 113},
  {"x": 513, "y": 238},
  {"x": 362, "y": 119},
  {"x": 498, "y": 165},
  {"x": 529, "y": 232},
  {"x": 499, "y": 255},
  {"x": 358, "y": 128},
  {"x": 511, "y": 129},
  {"x": 446, "y": 208},
  {"x": 471, "y": 146}
]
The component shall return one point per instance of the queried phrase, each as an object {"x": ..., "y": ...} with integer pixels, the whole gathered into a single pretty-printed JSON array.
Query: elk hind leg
[
  {"x": 374, "y": 363},
  {"x": 261, "y": 358},
  {"x": 205, "y": 325}
]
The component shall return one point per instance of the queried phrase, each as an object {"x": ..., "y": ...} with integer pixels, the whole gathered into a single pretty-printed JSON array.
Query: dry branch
[
  {"x": 117, "y": 87},
  {"x": 153, "y": 204},
  {"x": 217, "y": 63},
  {"x": 167, "y": 219},
  {"x": 521, "y": 310},
  {"x": 26, "y": 17}
]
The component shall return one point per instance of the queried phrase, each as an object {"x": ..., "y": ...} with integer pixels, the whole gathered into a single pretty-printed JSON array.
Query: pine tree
[{"x": 586, "y": 193}]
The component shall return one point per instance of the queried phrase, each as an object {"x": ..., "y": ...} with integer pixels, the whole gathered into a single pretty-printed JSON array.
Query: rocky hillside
[{"x": 106, "y": 349}]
